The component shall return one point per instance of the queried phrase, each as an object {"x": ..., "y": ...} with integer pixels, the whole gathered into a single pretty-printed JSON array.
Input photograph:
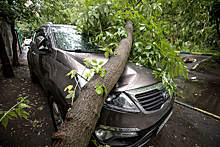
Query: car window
[{"x": 67, "y": 38}]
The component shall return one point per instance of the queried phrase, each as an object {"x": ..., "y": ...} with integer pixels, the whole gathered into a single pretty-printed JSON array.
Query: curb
[
  {"x": 197, "y": 109},
  {"x": 192, "y": 53}
]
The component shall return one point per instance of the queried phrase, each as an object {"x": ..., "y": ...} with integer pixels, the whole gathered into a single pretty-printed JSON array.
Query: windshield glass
[{"x": 66, "y": 38}]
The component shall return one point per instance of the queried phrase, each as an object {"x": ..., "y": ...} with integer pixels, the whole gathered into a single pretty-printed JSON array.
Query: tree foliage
[
  {"x": 32, "y": 11},
  {"x": 104, "y": 21},
  {"x": 191, "y": 21},
  {"x": 25, "y": 29},
  {"x": 31, "y": 14}
]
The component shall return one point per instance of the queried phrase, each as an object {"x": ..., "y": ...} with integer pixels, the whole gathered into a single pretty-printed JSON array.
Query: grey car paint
[{"x": 52, "y": 64}]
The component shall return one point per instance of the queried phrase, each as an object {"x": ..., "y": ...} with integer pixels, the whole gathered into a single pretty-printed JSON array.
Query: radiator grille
[{"x": 151, "y": 100}]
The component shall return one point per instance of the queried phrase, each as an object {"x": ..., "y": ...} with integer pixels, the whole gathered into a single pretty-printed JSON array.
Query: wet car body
[{"x": 135, "y": 110}]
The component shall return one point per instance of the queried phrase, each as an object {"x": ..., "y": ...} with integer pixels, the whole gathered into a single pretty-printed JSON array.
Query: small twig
[
  {"x": 102, "y": 34},
  {"x": 12, "y": 109}
]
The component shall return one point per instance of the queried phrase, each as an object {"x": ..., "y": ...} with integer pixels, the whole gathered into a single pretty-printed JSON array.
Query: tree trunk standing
[
  {"x": 7, "y": 68},
  {"x": 217, "y": 27},
  {"x": 19, "y": 42},
  {"x": 82, "y": 118},
  {"x": 14, "y": 46}
]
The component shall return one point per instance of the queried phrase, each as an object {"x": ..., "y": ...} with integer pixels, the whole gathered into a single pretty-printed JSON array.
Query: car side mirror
[{"x": 41, "y": 43}]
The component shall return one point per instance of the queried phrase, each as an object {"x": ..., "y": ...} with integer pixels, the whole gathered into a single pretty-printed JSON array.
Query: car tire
[
  {"x": 32, "y": 75},
  {"x": 56, "y": 113}
]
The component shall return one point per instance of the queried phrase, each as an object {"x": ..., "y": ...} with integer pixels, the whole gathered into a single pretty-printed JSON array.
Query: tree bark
[
  {"x": 14, "y": 46},
  {"x": 76, "y": 132},
  {"x": 7, "y": 68},
  {"x": 19, "y": 43},
  {"x": 217, "y": 27}
]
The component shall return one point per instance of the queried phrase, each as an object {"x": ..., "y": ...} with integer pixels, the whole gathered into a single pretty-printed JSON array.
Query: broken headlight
[{"x": 121, "y": 102}]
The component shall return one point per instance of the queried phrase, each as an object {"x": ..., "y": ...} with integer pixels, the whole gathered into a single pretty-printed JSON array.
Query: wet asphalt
[
  {"x": 186, "y": 127},
  {"x": 202, "y": 90}
]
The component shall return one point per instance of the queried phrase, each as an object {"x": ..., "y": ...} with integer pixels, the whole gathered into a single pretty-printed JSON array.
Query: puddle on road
[{"x": 200, "y": 93}]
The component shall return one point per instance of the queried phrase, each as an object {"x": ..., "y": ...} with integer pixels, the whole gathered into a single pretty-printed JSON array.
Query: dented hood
[{"x": 133, "y": 76}]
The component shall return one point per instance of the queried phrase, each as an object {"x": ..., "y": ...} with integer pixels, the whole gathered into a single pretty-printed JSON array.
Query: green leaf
[
  {"x": 71, "y": 94},
  {"x": 94, "y": 60},
  {"x": 103, "y": 73},
  {"x": 137, "y": 44},
  {"x": 68, "y": 87},
  {"x": 94, "y": 141},
  {"x": 101, "y": 62},
  {"x": 87, "y": 75},
  {"x": 90, "y": 2},
  {"x": 106, "y": 54},
  {"x": 106, "y": 92},
  {"x": 116, "y": 45},
  {"x": 185, "y": 74},
  {"x": 4, "y": 122},
  {"x": 95, "y": 66},
  {"x": 86, "y": 3},
  {"x": 12, "y": 114},
  {"x": 97, "y": 70},
  {"x": 25, "y": 116},
  {"x": 97, "y": 84},
  {"x": 8, "y": 116},
  {"x": 18, "y": 112},
  {"x": 148, "y": 46},
  {"x": 99, "y": 91},
  {"x": 141, "y": 28},
  {"x": 22, "y": 105},
  {"x": 24, "y": 112},
  {"x": 69, "y": 109},
  {"x": 72, "y": 73}
]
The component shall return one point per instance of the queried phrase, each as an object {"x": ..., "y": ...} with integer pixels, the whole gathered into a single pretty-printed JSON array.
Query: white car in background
[{"x": 27, "y": 42}]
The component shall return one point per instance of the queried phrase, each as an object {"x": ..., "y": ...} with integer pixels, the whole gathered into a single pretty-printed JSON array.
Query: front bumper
[
  {"x": 145, "y": 126},
  {"x": 143, "y": 135}
]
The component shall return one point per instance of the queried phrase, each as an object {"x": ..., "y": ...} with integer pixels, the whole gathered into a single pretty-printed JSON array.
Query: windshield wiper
[
  {"x": 85, "y": 51},
  {"x": 78, "y": 51}
]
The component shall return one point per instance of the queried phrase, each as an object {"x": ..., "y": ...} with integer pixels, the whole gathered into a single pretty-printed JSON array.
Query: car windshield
[
  {"x": 67, "y": 38},
  {"x": 27, "y": 39}
]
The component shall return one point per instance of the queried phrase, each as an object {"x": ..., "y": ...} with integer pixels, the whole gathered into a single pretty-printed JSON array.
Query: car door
[{"x": 38, "y": 55}]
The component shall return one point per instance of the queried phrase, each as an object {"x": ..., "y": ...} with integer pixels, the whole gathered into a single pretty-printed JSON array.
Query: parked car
[
  {"x": 27, "y": 42},
  {"x": 137, "y": 107}
]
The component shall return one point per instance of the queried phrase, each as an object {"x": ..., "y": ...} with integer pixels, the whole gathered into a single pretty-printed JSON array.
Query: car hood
[{"x": 133, "y": 76}]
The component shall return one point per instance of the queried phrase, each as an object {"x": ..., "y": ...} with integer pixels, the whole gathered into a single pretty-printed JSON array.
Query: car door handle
[{"x": 33, "y": 53}]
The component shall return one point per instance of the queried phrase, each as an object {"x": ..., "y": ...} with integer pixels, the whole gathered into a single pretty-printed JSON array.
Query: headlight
[{"x": 121, "y": 102}]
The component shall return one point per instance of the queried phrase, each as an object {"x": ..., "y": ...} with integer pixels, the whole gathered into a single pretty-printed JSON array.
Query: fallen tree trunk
[{"x": 81, "y": 120}]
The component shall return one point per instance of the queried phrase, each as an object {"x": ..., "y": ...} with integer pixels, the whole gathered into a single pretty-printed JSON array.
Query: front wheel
[{"x": 56, "y": 113}]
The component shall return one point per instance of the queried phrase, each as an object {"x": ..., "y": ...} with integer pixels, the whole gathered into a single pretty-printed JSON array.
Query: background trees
[{"x": 30, "y": 12}]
